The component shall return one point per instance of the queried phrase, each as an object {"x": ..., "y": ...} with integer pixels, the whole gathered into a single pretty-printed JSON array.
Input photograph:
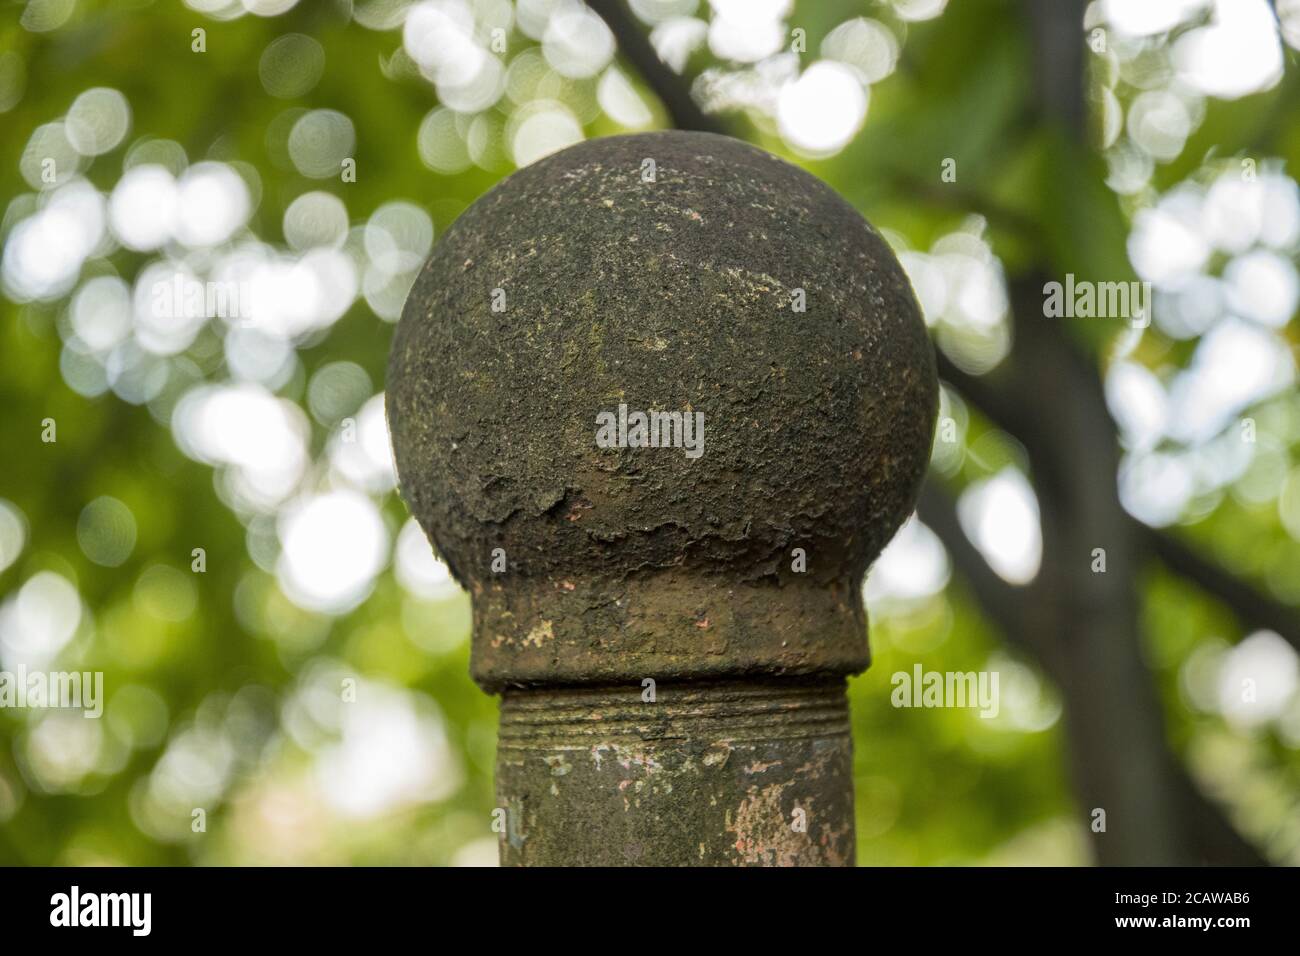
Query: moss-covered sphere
[{"x": 664, "y": 272}]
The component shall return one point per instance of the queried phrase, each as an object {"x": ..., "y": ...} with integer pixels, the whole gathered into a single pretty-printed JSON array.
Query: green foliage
[{"x": 210, "y": 676}]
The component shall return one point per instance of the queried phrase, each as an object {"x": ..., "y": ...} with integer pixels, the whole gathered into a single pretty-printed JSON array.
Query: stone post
[{"x": 658, "y": 401}]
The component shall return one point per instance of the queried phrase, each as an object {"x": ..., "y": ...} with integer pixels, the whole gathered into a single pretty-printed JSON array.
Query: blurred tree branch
[
  {"x": 1016, "y": 610},
  {"x": 672, "y": 91},
  {"x": 1250, "y": 606},
  {"x": 992, "y": 396}
]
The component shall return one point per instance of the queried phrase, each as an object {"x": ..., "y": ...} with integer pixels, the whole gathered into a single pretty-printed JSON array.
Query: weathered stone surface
[
  {"x": 621, "y": 564},
  {"x": 665, "y": 295},
  {"x": 714, "y": 774}
]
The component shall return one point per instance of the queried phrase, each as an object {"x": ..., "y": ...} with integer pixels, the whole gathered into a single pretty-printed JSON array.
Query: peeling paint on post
[{"x": 672, "y": 679}]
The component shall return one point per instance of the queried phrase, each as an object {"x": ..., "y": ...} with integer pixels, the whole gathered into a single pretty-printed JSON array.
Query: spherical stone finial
[{"x": 680, "y": 273}]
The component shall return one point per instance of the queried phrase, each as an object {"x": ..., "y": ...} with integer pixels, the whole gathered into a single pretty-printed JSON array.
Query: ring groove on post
[{"x": 722, "y": 710}]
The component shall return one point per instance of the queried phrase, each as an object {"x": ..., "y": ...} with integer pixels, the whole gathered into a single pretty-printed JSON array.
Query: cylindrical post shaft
[{"x": 720, "y": 773}]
